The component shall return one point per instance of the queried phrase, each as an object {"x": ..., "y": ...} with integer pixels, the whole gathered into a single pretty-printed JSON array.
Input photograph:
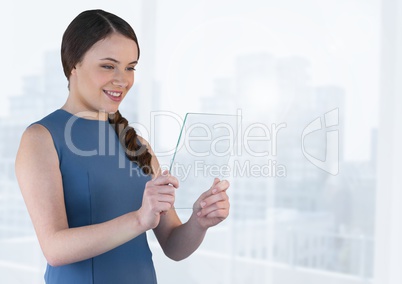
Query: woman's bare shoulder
[
  {"x": 36, "y": 131},
  {"x": 36, "y": 143}
]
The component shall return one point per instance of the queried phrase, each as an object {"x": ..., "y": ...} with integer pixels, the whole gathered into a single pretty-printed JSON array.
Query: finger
[
  {"x": 209, "y": 191},
  {"x": 220, "y": 213},
  {"x": 160, "y": 203},
  {"x": 168, "y": 179},
  {"x": 216, "y": 206},
  {"x": 152, "y": 190},
  {"x": 165, "y": 198},
  {"x": 164, "y": 189},
  {"x": 222, "y": 196},
  {"x": 223, "y": 185},
  {"x": 216, "y": 181}
]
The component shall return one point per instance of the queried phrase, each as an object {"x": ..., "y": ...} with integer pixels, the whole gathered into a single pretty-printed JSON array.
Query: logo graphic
[{"x": 331, "y": 162}]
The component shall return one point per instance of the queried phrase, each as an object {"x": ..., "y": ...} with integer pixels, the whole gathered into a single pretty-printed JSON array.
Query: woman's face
[{"x": 102, "y": 79}]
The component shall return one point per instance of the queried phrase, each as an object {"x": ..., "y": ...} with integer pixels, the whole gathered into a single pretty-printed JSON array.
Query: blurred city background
[{"x": 323, "y": 71}]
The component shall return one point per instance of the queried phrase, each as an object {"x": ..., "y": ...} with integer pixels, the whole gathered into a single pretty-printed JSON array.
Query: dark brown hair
[{"x": 84, "y": 31}]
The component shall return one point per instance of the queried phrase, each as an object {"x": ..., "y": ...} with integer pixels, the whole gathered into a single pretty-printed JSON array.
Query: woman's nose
[
  {"x": 120, "y": 80},
  {"x": 120, "y": 83}
]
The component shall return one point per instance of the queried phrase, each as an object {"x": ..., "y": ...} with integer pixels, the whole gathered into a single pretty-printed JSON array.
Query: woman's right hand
[{"x": 159, "y": 196}]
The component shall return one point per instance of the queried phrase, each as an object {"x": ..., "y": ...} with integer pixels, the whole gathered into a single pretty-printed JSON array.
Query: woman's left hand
[{"x": 212, "y": 207}]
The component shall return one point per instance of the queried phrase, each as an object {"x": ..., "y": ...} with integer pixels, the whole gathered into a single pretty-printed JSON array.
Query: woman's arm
[
  {"x": 178, "y": 240},
  {"x": 39, "y": 178}
]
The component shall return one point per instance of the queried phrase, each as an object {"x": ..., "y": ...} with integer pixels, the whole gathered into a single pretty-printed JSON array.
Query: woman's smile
[{"x": 114, "y": 95}]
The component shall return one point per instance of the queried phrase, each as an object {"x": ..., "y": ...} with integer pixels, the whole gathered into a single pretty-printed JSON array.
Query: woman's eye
[
  {"x": 130, "y": 68},
  {"x": 109, "y": 67}
]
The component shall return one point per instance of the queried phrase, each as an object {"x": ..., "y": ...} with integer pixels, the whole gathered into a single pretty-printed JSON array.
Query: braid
[{"x": 128, "y": 138}]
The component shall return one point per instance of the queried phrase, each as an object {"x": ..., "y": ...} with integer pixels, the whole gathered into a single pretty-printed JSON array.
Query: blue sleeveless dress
[{"x": 99, "y": 184}]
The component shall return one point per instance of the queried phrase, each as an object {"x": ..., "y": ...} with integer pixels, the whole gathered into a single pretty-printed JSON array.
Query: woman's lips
[{"x": 114, "y": 95}]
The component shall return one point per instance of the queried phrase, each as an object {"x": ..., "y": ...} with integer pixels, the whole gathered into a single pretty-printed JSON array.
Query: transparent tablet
[{"x": 203, "y": 151}]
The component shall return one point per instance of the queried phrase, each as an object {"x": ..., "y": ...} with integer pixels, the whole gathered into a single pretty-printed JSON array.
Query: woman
[{"x": 74, "y": 168}]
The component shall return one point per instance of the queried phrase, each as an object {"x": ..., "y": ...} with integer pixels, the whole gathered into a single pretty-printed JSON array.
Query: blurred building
[{"x": 297, "y": 218}]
